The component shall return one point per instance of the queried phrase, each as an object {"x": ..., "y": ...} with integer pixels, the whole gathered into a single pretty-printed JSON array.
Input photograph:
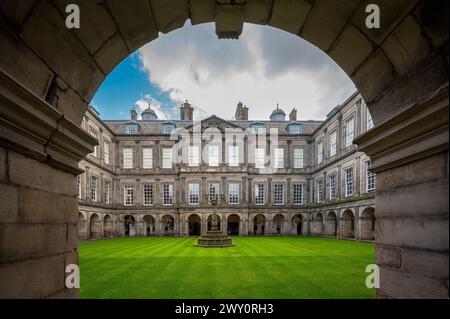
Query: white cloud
[
  {"x": 161, "y": 112},
  {"x": 264, "y": 67}
]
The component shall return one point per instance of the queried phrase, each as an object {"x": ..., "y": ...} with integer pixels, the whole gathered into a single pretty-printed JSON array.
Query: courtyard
[{"x": 257, "y": 267}]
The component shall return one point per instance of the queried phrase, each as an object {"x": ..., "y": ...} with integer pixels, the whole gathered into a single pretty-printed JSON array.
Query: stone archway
[
  {"x": 195, "y": 225},
  {"x": 347, "y": 224},
  {"x": 95, "y": 227},
  {"x": 168, "y": 225},
  {"x": 331, "y": 224},
  {"x": 149, "y": 225},
  {"x": 297, "y": 224},
  {"x": 259, "y": 224},
  {"x": 367, "y": 223},
  {"x": 81, "y": 227},
  {"x": 129, "y": 226},
  {"x": 107, "y": 226},
  {"x": 318, "y": 224},
  {"x": 401, "y": 70},
  {"x": 278, "y": 224},
  {"x": 233, "y": 225}
]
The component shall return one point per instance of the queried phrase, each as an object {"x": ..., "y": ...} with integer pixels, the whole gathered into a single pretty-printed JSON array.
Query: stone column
[
  {"x": 410, "y": 157},
  {"x": 288, "y": 200},
  {"x": 357, "y": 176},
  {"x": 250, "y": 190},
  {"x": 269, "y": 191}
]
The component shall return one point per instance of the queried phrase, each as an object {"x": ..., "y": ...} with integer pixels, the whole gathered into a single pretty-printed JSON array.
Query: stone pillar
[
  {"x": 410, "y": 157},
  {"x": 269, "y": 191}
]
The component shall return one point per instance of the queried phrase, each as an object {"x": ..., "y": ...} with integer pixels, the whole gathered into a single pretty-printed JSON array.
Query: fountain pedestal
[{"x": 214, "y": 237}]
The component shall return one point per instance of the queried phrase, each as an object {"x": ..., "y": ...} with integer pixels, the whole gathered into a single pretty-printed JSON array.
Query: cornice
[
  {"x": 419, "y": 132},
  {"x": 31, "y": 126}
]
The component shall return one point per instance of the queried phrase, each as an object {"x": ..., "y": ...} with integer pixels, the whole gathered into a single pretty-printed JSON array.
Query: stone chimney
[
  {"x": 134, "y": 114},
  {"x": 186, "y": 112},
  {"x": 293, "y": 115},
  {"x": 241, "y": 112}
]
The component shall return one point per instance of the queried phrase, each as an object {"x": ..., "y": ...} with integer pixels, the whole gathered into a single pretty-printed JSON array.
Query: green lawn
[{"x": 257, "y": 267}]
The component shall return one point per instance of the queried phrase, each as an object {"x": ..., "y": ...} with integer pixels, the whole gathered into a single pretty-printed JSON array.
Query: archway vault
[{"x": 48, "y": 75}]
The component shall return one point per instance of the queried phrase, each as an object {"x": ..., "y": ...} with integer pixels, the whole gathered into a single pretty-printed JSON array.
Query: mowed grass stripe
[{"x": 258, "y": 267}]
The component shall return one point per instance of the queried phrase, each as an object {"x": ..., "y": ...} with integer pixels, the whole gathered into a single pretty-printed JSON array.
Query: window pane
[
  {"x": 298, "y": 194},
  {"x": 147, "y": 158},
  {"x": 148, "y": 194},
  {"x": 194, "y": 155},
  {"x": 213, "y": 155},
  {"x": 260, "y": 157},
  {"x": 127, "y": 158},
  {"x": 233, "y": 193},
  {"x": 214, "y": 191},
  {"x": 233, "y": 155},
  {"x": 93, "y": 188},
  {"x": 319, "y": 152},
  {"x": 298, "y": 157},
  {"x": 194, "y": 194},
  {"x": 128, "y": 195},
  {"x": 349, "y": 132},
  {"x": 167, "y": 157},
  {"x": 278, "y": 194},
  {"x": 168, "y": 195},
  {"x": 259, "y": 194},
  {"x": 279, "y": 157},
  {"x": 349, "y": 182},
  {"x": 106, "y": 152},
  {"x": 333, "y": 136}
]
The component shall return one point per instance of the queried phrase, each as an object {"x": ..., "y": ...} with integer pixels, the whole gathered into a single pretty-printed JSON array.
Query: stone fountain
[{"x": 214, "y": 237}]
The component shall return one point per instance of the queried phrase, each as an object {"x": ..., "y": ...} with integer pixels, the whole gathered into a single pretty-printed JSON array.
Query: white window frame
[
  {"x": 147, "y": 195},
  {"x": 147, "y": 158},
  {"x": 106, "y": 152},
  {"x": 167, "y": 128},
  {"x": 94, "y": 188},
  {"x": 131, "y": 129},
  {"x": 349, "y": 131},
  {"x": 167, "y": 194},
  {"x": 298, "y": 192},
  {"x": 260, "y": 155},
  {"x": 233, "y": 155},
  {"x": 294, "y": 129},
  {"x": 213, "y": 191},
  {"x": 194, "y": 194},
  {"x": 108, "y": 192},
  {"x": 278, "y": 197},
  {"x": 279, "y": 158},
  {"x": 213, "y": 155},
  {"x": 349, "y": 182},
  {"x": 298, "y": 154},
  {"x": 128, "y": 157},
  {"x": 167, "y": 157},
  {"x": 94, "y": 134},
  {"x": 370, "y": 178},
  {"x": 128, "y": 195},
  {"x": 194, "y": 155},
  {"x": 260, "y": 196},
  {"x": 233, "y": 193},
  {"x": 320, "y": 188},
  {"x": 333, "y": 143},
  {"x": 333, "y": 186},
  {"x": 319, "y": 146}
]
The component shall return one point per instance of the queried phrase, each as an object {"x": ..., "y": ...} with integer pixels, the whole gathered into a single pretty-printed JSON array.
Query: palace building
[{"x": 308, "y": 180}]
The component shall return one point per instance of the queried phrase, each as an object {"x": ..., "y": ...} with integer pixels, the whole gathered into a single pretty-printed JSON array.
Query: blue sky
[
  {"x": 264, "y": 67},
  {"x": 128, "y": 83}
]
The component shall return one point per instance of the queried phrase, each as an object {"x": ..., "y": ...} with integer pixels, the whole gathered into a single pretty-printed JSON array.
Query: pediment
[{"x": 215, "y": 122}]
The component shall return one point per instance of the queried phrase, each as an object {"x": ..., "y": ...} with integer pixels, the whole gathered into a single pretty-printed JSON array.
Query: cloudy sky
[{"x": 264, "y": 67}]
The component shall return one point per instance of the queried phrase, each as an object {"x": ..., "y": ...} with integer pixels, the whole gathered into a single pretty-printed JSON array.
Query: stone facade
[{"x": 311, "y": 203}]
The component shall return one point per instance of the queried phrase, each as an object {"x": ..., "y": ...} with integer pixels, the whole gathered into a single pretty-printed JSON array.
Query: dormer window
[
  {"x": 131, "y": 128},
  {"x": 167, "y": 128},
  {"x": 257, "y": 128},
  {"x": 294, "y": 129}
]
